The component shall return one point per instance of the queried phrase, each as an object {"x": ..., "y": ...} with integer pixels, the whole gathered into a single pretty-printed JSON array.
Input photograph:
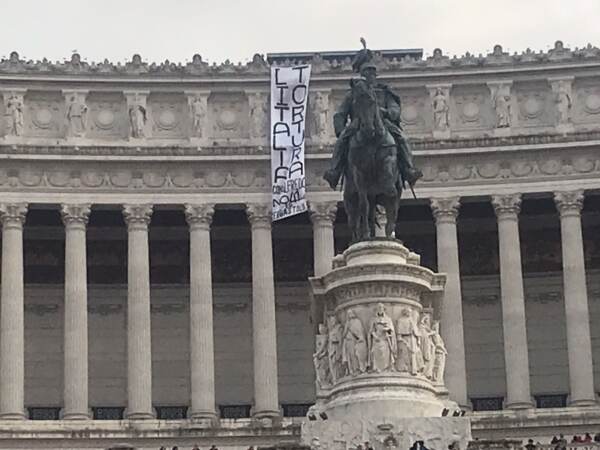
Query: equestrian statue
[{"x": 371, "y": 154}]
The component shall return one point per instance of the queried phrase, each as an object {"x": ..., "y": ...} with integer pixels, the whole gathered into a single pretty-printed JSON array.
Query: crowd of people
[
  {"x": 561, "y": 442},
  {"x": 195, "y": 447}
]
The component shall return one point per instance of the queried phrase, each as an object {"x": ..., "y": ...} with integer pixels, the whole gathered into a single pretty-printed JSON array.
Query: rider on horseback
[{"x": 389, "y": 106}]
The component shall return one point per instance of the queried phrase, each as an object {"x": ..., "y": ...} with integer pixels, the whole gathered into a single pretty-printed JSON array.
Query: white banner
[{"x": 289, "y": 94}]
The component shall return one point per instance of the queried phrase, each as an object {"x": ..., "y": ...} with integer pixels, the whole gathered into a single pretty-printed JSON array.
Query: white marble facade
[{"x": 498, "y": 130}]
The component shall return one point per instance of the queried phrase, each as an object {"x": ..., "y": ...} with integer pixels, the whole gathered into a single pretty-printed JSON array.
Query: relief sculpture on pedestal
[
  {"x": 382, "y": 341},
  {"x": 354, "y": 352}
]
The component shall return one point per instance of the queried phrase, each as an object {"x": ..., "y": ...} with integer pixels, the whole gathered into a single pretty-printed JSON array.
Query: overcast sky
[{"x": 236, "y": 29}]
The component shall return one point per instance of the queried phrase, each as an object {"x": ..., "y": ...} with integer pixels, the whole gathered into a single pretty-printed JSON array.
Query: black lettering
[
  {"x": 295, "y": 90},
  {"x": 300, "y": 70},
  {"x": 285, "y": 129}
]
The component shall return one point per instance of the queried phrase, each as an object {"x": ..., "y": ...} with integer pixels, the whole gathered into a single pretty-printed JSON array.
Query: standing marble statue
[
  {"x": 440, "y": 354},
  {"x": 14, "y": 107},
  {"x": 321, "y": 112},
  {"x": 406, "y": 339},
  {"x": 382, "y": 341},
  {"x": 258, "y": 115},
  {"x": 426, "y": 345},
  {"x": 198, "y": 110},
  {"x": 563, "y": 103},
  {"x": 77, "y": 117},
  {"x": 354, "y": 350},
  {"x": 334, "y": 347},
  {"x": 502, "y": 106},
  {"x": 321, "y": 359},
  {"x": 440, "y": 110},
  {"x": 137, "y": 119}
]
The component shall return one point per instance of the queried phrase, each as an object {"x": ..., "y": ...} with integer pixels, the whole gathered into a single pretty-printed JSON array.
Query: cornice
[{"x": 137, "y": 68}]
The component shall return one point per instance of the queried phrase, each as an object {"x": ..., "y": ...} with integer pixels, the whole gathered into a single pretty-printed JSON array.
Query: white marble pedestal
[{"x": 379, "y": 358}]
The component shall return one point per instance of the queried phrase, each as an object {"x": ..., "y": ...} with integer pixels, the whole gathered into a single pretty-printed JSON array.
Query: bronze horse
[{"x": 371, "y": 174}]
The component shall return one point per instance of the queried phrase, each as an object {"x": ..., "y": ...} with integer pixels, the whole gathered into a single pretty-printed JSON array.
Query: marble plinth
[{"x": 379, "y": 356}]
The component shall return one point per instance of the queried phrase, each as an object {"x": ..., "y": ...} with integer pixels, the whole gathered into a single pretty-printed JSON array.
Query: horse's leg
[
  {"x": 372, "y": 215},
  {"x": 391, "y": 213},
  {"x": 363, "y": 214},
  {"x": 350, "y": 207}
]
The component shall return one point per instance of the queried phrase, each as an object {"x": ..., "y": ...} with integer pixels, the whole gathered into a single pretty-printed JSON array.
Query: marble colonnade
[{"x": 199, "y": 217}]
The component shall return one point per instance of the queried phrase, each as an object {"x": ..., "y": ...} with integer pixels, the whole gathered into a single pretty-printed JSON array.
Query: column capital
[
  {"x": 445, "y": 210},
  {"x": 13, "y": 214},
  {"x": 259, "y": 215},
  {"x": 75, "y": 215},
  {"x": 137, "y": 216},
  {"x": 199, "y": 215},
  {"x": 569, "y": 203},
  {"x": 322, "y": 212},
  {"x": 506, "y": 206}
]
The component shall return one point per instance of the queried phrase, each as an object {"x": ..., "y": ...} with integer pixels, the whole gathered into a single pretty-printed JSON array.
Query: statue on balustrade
[
  {"x": 563, "y": 103},
  {"x": 372, "y": 152},
  {"x": 77, "y": 117},
  {"x": 198, "y": 109},
  {"x": 426, "y": 345},
  {"x": 406, "y": 342},
  {"x": 321, "y": 112},
  {"x": 354, "y": 351},
  {"x": 382, "y": 341},
  {"x": 137, "y": 119},
  {"x": 440, "y": 354},
  {"x": 441, "y": 110},
  {"x": 321, "y": 359},
  {"x": 502, "y": 105},
  {"x": 14, "y": 107},
  {"x": 334, "y": 347}
]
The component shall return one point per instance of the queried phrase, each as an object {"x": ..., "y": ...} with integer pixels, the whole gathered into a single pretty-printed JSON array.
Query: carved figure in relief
[
  {"x": 354, "y": 351},
  {"x": 502, "y": 105},
  {"x": 563, "y": 103},
  {"x": 321, "y": 111},
  {"x": 426, "y": 345},
  {"x": 198, "y": 110},
  {"x": 137, "y": 119},
  {"x": 14, "y": 108},
  {"x": 440, "y": 354},
  {"x": 406, "y": 340},
  {"x": 77, "y": 117},
  {"x": 441, "y": 110},
  {"x": 258, "y": 115},
  {"x": 382, "y": 341},
  {"x": 334, "y": 347},
  {"x": 321, "y": 359}
]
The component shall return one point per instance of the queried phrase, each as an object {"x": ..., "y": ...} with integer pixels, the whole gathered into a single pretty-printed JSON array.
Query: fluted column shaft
[
  {"x": 202, "y": 360},
  {"x": 76, "y": 320},
  {"x": 322, "y": 216},
  {"x": 445, "y": 211},
  {"x": 516, "y": 355},
  {"x": 579, "y": 343},
  {"x": 139, "y": 354},
  {"x": 12, "y": 345},
  {"x": 264, "y": 331}
]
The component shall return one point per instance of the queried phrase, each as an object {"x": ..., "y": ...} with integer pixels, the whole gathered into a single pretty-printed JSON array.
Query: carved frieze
[{"x": 169, "y": 116}]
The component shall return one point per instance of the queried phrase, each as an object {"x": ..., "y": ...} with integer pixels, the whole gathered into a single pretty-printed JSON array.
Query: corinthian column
[
  {"x": 202, "y": 359},
  {"x": 264, "y": 331},
  {"x": 12, "y": 350},
  {"x": 579, "y": 343},
  {"x": 75, "y": 218},
  {"x": 516, "y": 355},
  {"x": 445, "y": 211},
  {"x": 139, "y": 355}
]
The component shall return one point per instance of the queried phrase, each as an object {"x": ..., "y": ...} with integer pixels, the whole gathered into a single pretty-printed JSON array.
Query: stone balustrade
[{"x": 557, "y": 92}]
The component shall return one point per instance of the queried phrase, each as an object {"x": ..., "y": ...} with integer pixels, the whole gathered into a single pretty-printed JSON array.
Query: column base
[
  {"x": 76, "y": 416},
  {"x": 204, "y": 419},
  {"x": 583, "y": 402},
  {"x": 519, "y": 405},
  {"x": 266, "y": 418},
  {"x": 13, "y": 416},
  {"x": 140, "y": 416}
]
